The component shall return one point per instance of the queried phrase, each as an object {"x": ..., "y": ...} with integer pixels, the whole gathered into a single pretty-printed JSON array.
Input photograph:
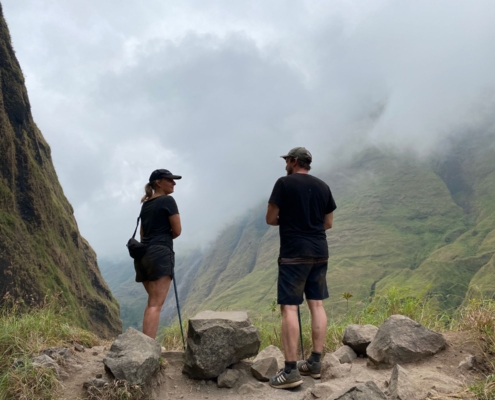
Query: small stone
[
  {"x": 467, "y": 364},
  {"x": 264, "y": 368},
  {"x": 228, "y": 378},
  {"x": 95, "y": 353},
  {"x": 99, "y": 376},
  {"x": 80, "y": 348}
]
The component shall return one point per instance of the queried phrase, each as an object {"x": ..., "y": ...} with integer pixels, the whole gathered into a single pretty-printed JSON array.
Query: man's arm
[
  {"x": 272, "y": 214},
  {"x": 328, "y": 222}
]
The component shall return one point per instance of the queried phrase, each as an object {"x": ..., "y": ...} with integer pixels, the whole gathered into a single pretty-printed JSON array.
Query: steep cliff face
[{"x": 41, "y": 250}]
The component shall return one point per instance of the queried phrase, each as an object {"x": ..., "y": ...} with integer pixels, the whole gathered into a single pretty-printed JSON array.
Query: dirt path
[{"x": 436, "y": 377}]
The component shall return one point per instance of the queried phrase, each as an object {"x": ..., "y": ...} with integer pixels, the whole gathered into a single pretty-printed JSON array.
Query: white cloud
[{"x": 216, "y": 91}]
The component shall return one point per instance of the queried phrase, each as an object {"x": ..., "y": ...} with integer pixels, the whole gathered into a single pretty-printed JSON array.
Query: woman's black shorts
[{"x": 158, "y": 261}]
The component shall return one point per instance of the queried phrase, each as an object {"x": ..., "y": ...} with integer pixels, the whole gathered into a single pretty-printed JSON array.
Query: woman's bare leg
[{"x": 157, "y": 293}]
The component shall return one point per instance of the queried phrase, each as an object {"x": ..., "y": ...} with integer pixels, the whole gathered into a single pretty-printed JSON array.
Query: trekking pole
[
  {"x": 178, "y": 312},
  {"x": 300, "y": 331}
]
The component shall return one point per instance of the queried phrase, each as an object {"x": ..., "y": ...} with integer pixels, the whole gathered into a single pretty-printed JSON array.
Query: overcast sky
[{"x": 217, "y": 90}]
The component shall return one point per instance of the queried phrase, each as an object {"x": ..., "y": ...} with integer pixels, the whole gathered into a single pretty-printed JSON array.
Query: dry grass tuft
[{"x": 116, "y": 390}]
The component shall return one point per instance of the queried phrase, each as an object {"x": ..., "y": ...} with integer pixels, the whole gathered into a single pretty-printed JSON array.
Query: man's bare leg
[
  {"x": 157, "y": 293},
  {"x": 290, "y": 331},
  {"x": 318, "y": 324}
]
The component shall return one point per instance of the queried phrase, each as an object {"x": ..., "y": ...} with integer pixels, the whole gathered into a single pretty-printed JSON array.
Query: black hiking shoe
[
  {"x": 306, "y": 368},
  {"x": 285, "y": 380}
]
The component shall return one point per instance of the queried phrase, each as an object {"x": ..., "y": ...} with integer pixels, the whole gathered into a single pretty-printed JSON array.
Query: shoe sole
[
  {"x": 287, "y": 385},
  {"x": 315, "y": 376}
]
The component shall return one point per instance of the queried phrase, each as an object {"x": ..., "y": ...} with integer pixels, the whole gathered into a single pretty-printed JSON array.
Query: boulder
[
  {"x": 228, "y": 378},
  {"x": 345, "y": 354},
  {"x": 403, "y": 388},
  {"x": 361, "y": 391},
  {"x": 264, "y": 368},
  {"x": 358, "y": 337},
  {"x": 401, "y": 340},
  {"x": 331, "y": 368},
  {"x": 272, "y": 351},
  {"x": 216, "y": 340},
  {"x": 133, "y": 357}
]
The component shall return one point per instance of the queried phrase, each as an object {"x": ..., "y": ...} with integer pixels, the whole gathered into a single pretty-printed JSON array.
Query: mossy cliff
[{"x": 41, "y": 250}]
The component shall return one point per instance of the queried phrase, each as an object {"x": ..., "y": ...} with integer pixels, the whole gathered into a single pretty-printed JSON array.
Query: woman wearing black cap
[{"x": 160, "y": 224}]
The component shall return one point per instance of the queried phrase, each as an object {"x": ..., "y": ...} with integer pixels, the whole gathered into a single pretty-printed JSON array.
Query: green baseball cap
[{"x": 300, "y": 153}]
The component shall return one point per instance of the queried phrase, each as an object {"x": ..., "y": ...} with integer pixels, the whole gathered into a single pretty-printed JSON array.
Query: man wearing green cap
[{"x": 302, "y": 206}]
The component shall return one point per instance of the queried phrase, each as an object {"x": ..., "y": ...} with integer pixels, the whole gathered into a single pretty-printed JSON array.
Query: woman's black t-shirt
[{"x": 154, "y": 220}]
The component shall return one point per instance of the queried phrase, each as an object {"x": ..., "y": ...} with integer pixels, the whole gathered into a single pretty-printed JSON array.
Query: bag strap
[{"x": 137, "y": 224}]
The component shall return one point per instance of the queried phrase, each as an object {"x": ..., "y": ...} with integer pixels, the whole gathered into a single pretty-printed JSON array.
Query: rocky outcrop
[
  {"x": 133, "y": 357},
  {"x": 41, "y": 249},
  {"x": 401, "y": 340},
  {"x": 216, "y": 340}
]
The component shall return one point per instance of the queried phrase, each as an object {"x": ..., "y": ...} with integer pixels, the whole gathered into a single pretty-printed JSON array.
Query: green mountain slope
[
  {"x": 41, "y": 249},
  {"x": 465, "y": 264},
  {"x": 401, "y": 221}
]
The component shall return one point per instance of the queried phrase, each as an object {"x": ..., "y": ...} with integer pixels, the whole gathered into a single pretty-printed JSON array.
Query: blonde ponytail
[{"x": 148, "y": 190}]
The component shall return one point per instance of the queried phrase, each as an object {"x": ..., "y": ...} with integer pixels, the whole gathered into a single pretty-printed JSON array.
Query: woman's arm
[{"x": 175, "y": 224}]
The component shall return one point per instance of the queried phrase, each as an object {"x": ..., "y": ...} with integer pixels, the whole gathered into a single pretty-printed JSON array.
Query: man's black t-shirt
[
  {"x": 303, "y": 200},
  {"x": 155, "y": 222}
]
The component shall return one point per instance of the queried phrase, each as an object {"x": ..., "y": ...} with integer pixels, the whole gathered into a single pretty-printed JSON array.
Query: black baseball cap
[
  {"x": 163, "y": 173},
  {"x": 300, "y": 153}
]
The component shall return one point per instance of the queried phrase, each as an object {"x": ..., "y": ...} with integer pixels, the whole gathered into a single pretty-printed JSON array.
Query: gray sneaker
[
  {"x": 306, "y": 368},
  {"x": 286, "y": 381}
]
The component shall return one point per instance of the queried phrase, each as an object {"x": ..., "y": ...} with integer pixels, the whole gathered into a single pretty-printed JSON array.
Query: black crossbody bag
[{"x": 137, "y": 250}]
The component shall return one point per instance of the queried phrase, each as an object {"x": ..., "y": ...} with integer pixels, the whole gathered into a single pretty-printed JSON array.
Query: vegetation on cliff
[{"x": 41, "y": 249}]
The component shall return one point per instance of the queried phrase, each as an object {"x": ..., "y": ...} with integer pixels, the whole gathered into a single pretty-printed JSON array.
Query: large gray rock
[
  {"x": 358, "y": 337},
  {"x": 345, "y": 354},
  {"x": 361, "y": 391},
  {"x": 403, "y": 388},
  {"x": 401, "y": 340},
  {"x": 272, "y": 351},
  {"x": 133, "y": 357},
  {"x": 216, "y": 340}
]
